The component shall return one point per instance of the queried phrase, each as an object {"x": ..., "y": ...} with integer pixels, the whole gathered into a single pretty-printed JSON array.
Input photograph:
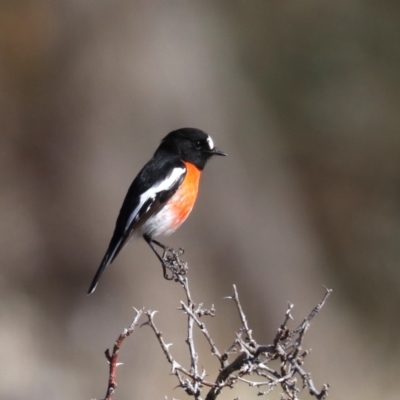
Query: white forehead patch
[{"x": 210, "y": 143}]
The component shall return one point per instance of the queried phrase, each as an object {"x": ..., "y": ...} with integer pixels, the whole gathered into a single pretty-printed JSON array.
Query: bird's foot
[{"x": 173, "y": 266}]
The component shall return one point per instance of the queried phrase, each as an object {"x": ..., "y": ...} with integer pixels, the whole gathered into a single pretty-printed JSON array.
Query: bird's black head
[{"x": 190, "y": 144}]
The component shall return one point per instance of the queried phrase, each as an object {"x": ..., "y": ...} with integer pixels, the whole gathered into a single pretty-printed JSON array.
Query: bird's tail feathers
[{"x": 107, "y": 259}]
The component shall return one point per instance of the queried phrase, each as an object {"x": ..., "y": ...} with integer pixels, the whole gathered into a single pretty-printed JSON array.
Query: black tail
[
  {"x": 114, "y": 248},
  {"x": 103, "y": 265}
]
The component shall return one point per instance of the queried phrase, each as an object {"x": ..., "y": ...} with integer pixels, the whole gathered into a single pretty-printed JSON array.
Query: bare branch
[
  {"x": 242, "y": 315},
  {"x": 244, "y": 361},
  {"x": 113, "y": 358},
  {"x": 192, "y": 315}
]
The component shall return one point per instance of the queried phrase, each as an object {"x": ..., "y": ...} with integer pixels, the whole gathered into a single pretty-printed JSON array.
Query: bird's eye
[{"x": 197, "y": 144}]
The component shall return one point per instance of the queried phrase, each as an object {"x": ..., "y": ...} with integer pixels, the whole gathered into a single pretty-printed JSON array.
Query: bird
[{"x": 163, "y": 193}]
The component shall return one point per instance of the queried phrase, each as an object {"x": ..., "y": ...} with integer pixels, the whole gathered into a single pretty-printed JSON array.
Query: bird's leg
[
  {"x": 150, "y": 242},
  {"x": 167, "y": 249},
  {"x": 162, "y": 246}
]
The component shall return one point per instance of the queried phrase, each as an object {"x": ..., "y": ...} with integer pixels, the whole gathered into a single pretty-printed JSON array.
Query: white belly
[{"x": 161, "y": 224}]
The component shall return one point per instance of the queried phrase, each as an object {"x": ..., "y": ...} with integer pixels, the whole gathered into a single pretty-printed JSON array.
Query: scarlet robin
[{"x": 163, "y": 193}]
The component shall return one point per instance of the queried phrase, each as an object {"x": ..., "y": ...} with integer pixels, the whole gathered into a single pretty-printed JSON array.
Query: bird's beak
[{"x": 216, "y": 152}]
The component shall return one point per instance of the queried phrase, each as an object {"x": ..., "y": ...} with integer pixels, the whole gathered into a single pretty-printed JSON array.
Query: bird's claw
[{"x": 172, "y": 262}]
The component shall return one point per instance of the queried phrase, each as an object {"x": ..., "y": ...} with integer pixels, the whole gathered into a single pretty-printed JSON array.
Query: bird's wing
[
  {"x": 155, "y": 197},
  {"x": 145, "y": 197}
]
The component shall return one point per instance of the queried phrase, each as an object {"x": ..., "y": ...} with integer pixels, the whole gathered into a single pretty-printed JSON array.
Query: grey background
[{"x": 303, "y": 95}]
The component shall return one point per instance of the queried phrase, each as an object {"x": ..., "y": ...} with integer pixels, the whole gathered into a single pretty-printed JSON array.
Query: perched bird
[{"x": 163, "y": 194}]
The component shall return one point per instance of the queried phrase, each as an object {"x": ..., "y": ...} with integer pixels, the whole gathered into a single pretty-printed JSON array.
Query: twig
[
  {"x": 176, "y": 367},
  {"x": 113, "y": 358},
  {"x": 204, "y": 330},
  {"x": 242, "y": 315}
]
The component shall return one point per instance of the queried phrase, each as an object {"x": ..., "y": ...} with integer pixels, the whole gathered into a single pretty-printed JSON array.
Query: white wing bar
[{"x": 152, "y": 192}]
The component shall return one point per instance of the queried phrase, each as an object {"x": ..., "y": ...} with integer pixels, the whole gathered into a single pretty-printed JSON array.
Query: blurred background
[{"x": 305, "y": 98}]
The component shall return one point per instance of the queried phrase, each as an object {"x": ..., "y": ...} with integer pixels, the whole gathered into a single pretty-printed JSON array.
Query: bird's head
[{"x": 192, "y": 145}]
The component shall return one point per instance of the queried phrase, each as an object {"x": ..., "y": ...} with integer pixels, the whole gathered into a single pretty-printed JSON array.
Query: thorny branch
[
  {"x": 244, "y": 361},
  {"x": 113, "y": 358}
]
